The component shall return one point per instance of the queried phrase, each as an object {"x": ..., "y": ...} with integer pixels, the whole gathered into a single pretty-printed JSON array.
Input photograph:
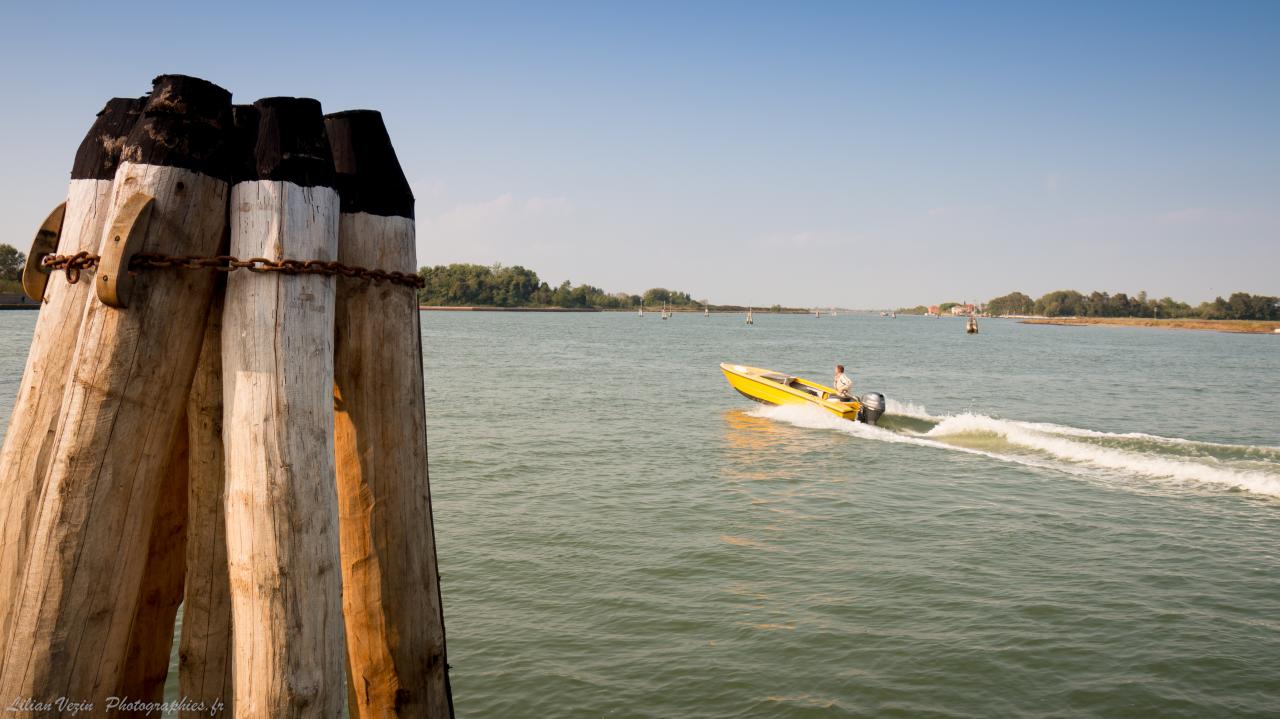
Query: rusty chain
[{"x": 74, "y": 264}]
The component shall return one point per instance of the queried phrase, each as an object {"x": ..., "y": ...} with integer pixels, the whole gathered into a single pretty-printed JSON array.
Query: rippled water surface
[{"x": 1055, "y": 521}]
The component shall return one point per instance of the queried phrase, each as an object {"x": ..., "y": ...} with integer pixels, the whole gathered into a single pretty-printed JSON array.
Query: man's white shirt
[{"x": 843, "y": 384}]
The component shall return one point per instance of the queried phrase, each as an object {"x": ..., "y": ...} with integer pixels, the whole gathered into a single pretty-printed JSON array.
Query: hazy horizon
[{"x": 817, "y": 155}]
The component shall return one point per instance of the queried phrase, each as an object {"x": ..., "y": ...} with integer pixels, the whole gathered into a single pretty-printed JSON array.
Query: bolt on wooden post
[
  {"x": 78, "y": 228},
  {"x": 277, "y": 369},
  {"x": 391, "y": 590},
  {"x": 128, "y": 380}
]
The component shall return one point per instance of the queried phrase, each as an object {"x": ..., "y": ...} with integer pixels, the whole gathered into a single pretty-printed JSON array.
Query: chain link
[{"x": 74, "y": 264}]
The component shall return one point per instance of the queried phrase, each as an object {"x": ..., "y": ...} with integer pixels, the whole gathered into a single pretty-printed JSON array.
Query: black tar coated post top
[
  {"x": 99, "y": 152},
  {"x": 190, "y": 123},
  {"x": 184, "y": 124},
  {"x": 368, "y": 172},
  {"x": 290, "y": 145},
  {"x": 244, "y": 137}
]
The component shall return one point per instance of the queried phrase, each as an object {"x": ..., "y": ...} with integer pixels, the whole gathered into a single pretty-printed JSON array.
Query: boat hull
[{"x": 763, "y": 386}]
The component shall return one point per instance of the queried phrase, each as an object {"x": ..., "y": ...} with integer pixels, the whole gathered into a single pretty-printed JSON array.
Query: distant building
[
  {"x": 961, "y": 310},
  {"x": 933, "y": 310}
]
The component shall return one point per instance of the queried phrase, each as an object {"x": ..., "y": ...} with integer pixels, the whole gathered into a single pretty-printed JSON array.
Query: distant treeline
[
  {"x": 943, "y": 308},
  {"x": 11, "y": 263},
  {"x": 1070, "y": 303},
  {"x": 500, "y": 286},
  {"x": 485, "y": 286}
]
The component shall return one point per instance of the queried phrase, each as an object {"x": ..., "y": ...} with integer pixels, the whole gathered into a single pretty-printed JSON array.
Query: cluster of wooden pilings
[{"x": 250, "y": 445}]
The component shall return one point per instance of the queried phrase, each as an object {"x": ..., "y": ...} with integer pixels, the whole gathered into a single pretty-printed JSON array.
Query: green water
[{"x": 1056, "y": 522}]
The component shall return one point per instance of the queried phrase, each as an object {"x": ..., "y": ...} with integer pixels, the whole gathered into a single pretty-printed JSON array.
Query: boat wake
[{"x": 1084, "y": 452}]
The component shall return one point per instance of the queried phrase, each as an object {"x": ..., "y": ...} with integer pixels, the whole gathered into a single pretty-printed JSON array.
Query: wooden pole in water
[
  {"x": 128, "y": 382},
  {"x": 151, "y": 636},
  {"x": 391, "y": 589},
  {"x": 24, "y": 458},
  {"x": 277, "y": 370},
  {"x": 187, "y": 561},
  {"x": 204, "y": 655}
]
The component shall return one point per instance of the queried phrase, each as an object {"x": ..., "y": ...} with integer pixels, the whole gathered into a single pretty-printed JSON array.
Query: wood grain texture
[
  {"x": 204, "y": 654},
  {"x": 128, "y": 382},
  {"x": 24, "y": 458},
  {"x": 282, "y": 516},
  {"x": 151, "y": 636},
  {"x": 391, "y": 591}
]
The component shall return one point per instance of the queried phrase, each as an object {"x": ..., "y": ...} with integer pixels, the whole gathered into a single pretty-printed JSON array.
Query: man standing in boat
[{"x": 842, "y": 383}]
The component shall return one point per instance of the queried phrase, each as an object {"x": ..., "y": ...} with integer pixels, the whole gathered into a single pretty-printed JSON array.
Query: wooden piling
[
  {"x": 277, "y": 354},
  {"x": 128, "y": 382},
  {"x": 391, "y": 590},
  {"x": 146, "y": 667},
  {"x": 24, "y": 458},
  {"x": 204, "y": 652}
]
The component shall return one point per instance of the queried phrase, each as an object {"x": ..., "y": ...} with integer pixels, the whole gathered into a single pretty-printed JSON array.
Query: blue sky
[{"x": 805, "y": 153}]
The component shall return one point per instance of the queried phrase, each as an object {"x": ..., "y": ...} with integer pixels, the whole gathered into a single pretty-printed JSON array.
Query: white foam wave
[
  {"x": 914, "y": 410},
  {"x": 908, "y": 409},
  {"x": 809, "y": 417},
  {"x": 1043, "y": 441},
  {"x": 1142, "y": 436},
  {"x": 1126, "y": 461}
]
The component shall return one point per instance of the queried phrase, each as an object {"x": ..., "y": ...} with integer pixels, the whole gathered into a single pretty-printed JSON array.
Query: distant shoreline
[
  {"x": 1235, "y": 326},
  {"x": 466, "y": 308},
  {"x": 654, "y": 310},
  {"x": 485, "y": 308}
]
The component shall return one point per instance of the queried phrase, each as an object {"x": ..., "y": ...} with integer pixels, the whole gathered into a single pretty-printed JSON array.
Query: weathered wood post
[
  {"x": 277, "y": 355},
  {"x": 187, "y": 561},
  {"x": 204, "y": 655},
  {"x": 146, "y": 666},
  {"x": 24, "y": 457},
  {"x": 391, "y": 590},
  {"x": 128, "y": 384}
]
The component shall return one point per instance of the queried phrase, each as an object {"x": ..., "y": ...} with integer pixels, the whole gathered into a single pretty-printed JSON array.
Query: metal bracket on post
[
  {"x": 122, "y": 241},
  {"x": 35, "y": 276}
]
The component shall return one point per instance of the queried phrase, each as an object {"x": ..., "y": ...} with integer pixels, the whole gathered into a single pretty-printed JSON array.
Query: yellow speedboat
[{"x": 769, "y": 387}]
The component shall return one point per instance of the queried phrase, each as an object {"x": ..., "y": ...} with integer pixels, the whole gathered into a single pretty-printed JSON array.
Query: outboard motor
[{"x": 872, "y": 407}]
